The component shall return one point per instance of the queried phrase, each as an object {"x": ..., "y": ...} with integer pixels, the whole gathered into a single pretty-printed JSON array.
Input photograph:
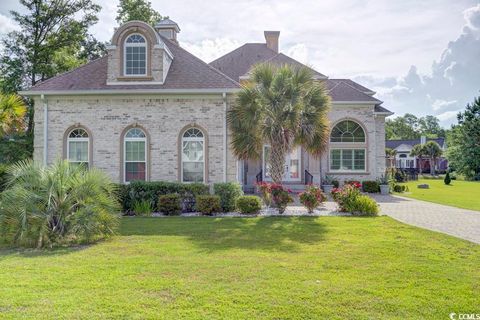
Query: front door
[{"x": 292, "y": 165}]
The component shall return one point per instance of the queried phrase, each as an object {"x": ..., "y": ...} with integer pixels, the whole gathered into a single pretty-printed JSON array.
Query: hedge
[
  {"x": 138, "y": 191},
  {"x": 371, "y": 186},
  {"x": 249, "y": 204},
  {"x": 228, "y": 193},
  {"x": 208, "y": 204},
  {"x": 170, "y": 204}
]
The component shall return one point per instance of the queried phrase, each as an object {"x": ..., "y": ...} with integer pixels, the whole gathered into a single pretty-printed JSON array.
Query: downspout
[
  {"x": 224, "y": 96},
  {"x": 45, "y": 129}
]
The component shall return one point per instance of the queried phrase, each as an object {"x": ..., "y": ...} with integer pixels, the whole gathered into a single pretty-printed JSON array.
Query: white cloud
[
  {"x": 7, "y": 24},
  {"x": 448, "y": 115},
  {"x": 299, "y": 52},
  {"x": 208, "y": 49},
  {"x": 442, "y": 104}
]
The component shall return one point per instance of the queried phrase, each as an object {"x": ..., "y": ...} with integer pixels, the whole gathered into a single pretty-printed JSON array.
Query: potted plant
[
  {"x": 329, "y": 183},
  {"x": 384, "y": 182}
]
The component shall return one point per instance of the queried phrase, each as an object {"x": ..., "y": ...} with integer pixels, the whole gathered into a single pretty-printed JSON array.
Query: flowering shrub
[
  {"x": 265, "y": 190},
  {"x": 349, "y": 199},
  {"x": 312, "y": 197},
  {"x": 354, "y": 183},
  {"x": 280, "y": 197}
]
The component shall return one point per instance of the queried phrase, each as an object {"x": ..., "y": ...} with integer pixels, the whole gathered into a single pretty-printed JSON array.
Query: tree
[
  {"x": 391, "y": 153},
  {"x": 283, "y": 107},
  {"x": 464, "y": 142},
  {"x": 418, "y": 151},
  {"x": 12, "y": 114},
  {"x": 429, "y": 126},
  {"x": 49, "y": 30},
  {"x": 410, "y": 127},
  {"x": 142, "y": 10},
  {"x": 62, "y": 203},
  {"x": 432, "y": 151}
]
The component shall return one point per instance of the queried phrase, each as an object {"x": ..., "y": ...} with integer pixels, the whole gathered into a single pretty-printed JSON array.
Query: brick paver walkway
[{"x": 457, "y": 222}]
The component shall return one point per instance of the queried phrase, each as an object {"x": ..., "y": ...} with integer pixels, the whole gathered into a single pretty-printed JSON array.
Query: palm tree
[
  {"x": 391, "y": 153},
  {"x": 433, "y": 151},
  {"x": 281, "y": 106},
  {"x": 12, "y": 114},
  {"x": 418, "y": 151},
  {"x": 61, "y": 203}
]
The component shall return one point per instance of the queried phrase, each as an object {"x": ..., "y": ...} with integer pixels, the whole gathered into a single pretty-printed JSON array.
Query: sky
[{"x": 421, "y": 57}]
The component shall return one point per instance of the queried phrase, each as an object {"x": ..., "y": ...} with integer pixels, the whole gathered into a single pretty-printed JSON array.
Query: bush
[
  {"x": 364, "y": 206},
  {"x": 399, "y": 188},
  {"x": 208, "y": 204},
  {"x": 354, "y": 183},
  {"x": 229, "y": 193},
  {"x": 350, "y": 200},
  {"x": 371, "y": 186},
  {"x": 265, "y": 190},
  {"x": 58, "y": 204},
  {"x": 150, "y": 191},
  {"x": 142, "y": 208},
  {"x": 280, "y": 197},
  {"x": 249, "y": 204},
  {"x": 447, "y": 179},
  {"x": 170, "y": 204},
  {"x": 312, "y": 197},
  {"x": 336, "y": 183}
]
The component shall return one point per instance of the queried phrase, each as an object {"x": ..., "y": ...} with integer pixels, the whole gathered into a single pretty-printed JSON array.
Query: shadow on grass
[
  {"x": 211, "y": 234},
  {"x": 7, "y": 250}
]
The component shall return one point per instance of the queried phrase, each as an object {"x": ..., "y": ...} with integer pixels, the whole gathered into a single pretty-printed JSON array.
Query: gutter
[
  {"x": 126, "y": 91},
  {"x": 224, "y": 97},
  {"x": 45, "y": 129}
]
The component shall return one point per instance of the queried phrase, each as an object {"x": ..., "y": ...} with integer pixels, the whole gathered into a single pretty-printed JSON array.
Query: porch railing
[{"x": 308, "y": 178}]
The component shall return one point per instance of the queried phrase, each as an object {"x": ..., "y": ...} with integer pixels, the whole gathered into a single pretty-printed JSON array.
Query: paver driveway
[{"x": 457, "y": 222}]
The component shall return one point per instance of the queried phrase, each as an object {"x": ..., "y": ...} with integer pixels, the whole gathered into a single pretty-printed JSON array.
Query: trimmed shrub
[
  {"x": 280, "y": 197},
  {"x": 228, "y": 193},
  {"x": 399, "y": 188},
  {"x": 336, "y": 183},
  {"x": 150, "y": 191},
  {"x": 312, "y": 197},
  {"x": 249, "y": 204},
  {"x": 170, "y": 204},
  {"x": 447, "y": 179},
  {"x": 364, "y": 206},
  {"x": 208, "y": 204},
  {"x": 142, "y": 208},
  {"x": 371, "y": 186}
]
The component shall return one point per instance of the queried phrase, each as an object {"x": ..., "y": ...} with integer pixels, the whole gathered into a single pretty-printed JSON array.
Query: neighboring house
[
  {"x": 150, "y": 110},
  {"x": 403, "y": 159}
]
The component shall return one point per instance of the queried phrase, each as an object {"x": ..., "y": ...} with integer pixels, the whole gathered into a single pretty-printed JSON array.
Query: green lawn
[
  {"x": 248, "y": 268},
  {"x": 461, "y": 194}
]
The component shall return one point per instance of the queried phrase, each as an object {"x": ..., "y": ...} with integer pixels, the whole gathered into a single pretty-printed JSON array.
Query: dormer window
[{"x": 135, "y": 56}]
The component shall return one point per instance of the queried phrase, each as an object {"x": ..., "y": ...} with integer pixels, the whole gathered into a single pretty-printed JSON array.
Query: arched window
[
  {"x": 78, "y": 147},
  {"x": 193, "y": 156},
  {"x": 135, "y": 155},
  {"x": 347, "y": 131},
  {"x": 347, "y": 147},
  {"x": 135, "y": 55}
]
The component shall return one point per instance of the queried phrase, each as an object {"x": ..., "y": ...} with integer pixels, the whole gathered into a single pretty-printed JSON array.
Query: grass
[
  {"x": 247, "y": 268},
  {"x": 459, "y": 193}
]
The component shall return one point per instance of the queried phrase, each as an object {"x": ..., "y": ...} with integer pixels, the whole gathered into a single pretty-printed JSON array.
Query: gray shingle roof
[
  {"x": 393, "y": 144},
  {"x": 186, "y": 72},
  {"x": 342, "y": 91}
]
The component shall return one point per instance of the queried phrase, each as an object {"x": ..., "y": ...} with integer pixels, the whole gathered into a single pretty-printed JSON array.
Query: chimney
[
  {"x": 168, "y": 28},
  {"x": 271, "y": 38}
]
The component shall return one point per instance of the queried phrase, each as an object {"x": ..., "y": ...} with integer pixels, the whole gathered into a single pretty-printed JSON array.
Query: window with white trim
[
  {"x": 348, "y": 151},
  {"x": 135, "y": 155},
  {"x": 135, "y": 55},
  {"x": 347, "y": 159},
  {"x": 78, "y": 147},
  {"x": 193, "y": 156}
]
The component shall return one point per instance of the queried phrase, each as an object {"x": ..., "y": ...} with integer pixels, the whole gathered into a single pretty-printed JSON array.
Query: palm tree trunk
[
  {"x": 277, "y": 163},
  {"x": 432, "y": 166}
]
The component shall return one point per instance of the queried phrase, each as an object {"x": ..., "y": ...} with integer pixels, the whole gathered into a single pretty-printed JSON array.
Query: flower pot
[
  {"x": 384, "y": 189},
  {"x": 327, "y": 188}
]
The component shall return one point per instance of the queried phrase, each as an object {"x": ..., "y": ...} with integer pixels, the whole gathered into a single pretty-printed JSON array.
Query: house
[
  {"x": 403, "y": 159},
  {"x": 150, "y": 110}
]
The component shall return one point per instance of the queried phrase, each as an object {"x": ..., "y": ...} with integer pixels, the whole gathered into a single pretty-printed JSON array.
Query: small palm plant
[
  {"x": 62, "y": 203},
  {"x": 12, "y": 113},
  {"x": 283, "y": 107}
]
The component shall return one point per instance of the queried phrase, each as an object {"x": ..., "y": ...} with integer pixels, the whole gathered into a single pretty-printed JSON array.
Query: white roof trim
[
  {"x": 162, "y": 45},
  {"x": 126, "y": 91}
]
